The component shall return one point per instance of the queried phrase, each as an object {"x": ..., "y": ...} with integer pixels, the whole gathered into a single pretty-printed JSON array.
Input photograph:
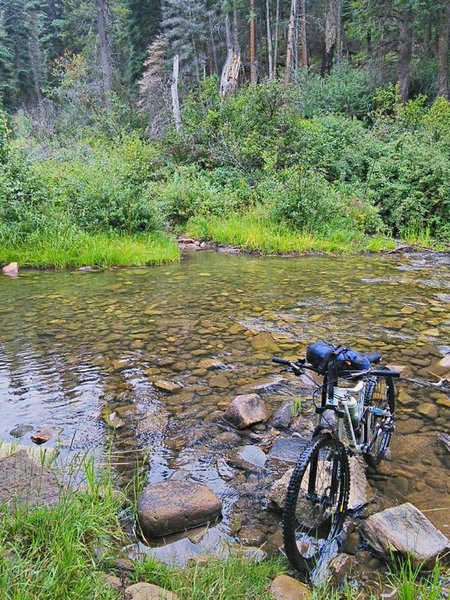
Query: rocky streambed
[{"x": 141, "y": 365}]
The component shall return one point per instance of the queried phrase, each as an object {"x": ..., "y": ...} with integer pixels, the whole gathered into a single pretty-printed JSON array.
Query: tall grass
[
  {"x": 100, "y": 249},
  {"x": 257, "y": 234}
]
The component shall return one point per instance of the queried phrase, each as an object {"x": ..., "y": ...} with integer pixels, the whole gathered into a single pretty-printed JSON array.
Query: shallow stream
[{"x": 82, "y": 351}]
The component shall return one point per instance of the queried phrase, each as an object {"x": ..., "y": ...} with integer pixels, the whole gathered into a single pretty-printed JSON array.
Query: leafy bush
[
  {"x": 410, "y": 184},
  {"x": 190, "y": 191},
  {"x": 346, "y": 91}
]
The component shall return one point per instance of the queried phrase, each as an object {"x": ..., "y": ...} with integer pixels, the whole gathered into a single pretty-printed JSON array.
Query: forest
[{"x": 276, "y": 126}]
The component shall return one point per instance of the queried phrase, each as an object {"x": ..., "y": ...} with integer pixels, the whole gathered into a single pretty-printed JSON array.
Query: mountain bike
[{"x": 355, "y": 415}]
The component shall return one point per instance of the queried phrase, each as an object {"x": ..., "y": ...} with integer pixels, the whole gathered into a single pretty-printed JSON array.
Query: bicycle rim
[{"x": 316, "y": 503}]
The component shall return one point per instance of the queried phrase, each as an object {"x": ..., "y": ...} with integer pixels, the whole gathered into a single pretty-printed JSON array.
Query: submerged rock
[
  {"x": 246, "y": 410},
  {"x": 172, "y": 506},
  {"x": 167, "y": 386},
  {"x": 23, "y": 482},
  {"x": 405, "y": 530},
  {"x": 20, "y": 430},
  {"x": 264, "y": 342},
  {"x": 45, "y": 434}
]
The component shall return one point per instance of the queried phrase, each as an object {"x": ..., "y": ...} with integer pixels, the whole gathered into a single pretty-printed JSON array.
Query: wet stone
[
  {"x": 167, "y": 386},
  {"x": 246, "y": 410},
  {"x": 253, "y": 455},
  {"x": 428, "y": 410},
  {"x": 405, "y": 530},
  {"x": 20, "y": 430},
  {"x": 288, "y": 449},
  {"x": 172, "y": 506}
]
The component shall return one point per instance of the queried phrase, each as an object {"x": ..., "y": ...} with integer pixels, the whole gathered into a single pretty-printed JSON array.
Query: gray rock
[
  {"x": 288, "y": 449},
  {"x": 287, "y": 588},
  {"x": 405, "y": 530},
  {"x": 246, "y": 410},
  {"x": 23, "y": 482},
  {"x": 278, "y": 490},
  {"x": 167, "y": 386},
  {"x": 153, "y": 422},
  {"x": 20, "y": 430},
  {"x": 283, "y": 416},
  {"x": 172, "y": 506},
  {"x": 45, "y": 434},
  {"x": 148, "y": 591},
  {"x": 253, "y": 455}
]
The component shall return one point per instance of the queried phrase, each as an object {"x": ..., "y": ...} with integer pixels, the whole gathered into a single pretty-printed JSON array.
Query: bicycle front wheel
[
  {"x": 378, "y": 423},
  {"x": 316, "y": 502}
]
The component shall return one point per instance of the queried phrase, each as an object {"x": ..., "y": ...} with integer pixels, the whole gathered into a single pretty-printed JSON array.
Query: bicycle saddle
[{"x": 319, "y": 354}]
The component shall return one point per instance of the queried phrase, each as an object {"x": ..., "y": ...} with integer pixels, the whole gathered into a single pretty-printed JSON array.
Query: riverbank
[
  {"x": 73, "y": 547},
  {"x": 85, "y": 249},
  {"x": 245, "y": 233}
]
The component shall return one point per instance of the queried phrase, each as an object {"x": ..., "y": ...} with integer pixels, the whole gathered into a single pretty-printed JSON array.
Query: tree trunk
[
  {"x": 174, "y": 90},
  {"x": 230, "y": 72},
  {"x": 290, "y": 50},
  {"x": 404, "y": 54},
  {"x": 331, "y": 21},
  {"x": 443, "y": 50},
  {"x": 304, "y": 41},
  {"x": 253, "y": 71},
  {"x": 269, "y": 40},
  {"x": 105, "y": 59},
  {"x": 277, "y": 25},
  {"x": 339, "y": 33}
]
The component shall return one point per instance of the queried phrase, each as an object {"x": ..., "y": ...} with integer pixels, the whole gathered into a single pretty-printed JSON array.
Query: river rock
[
  {"x": 45, "y": 434},
  {"x": 287, "y": 588},
  {"x": 12, "y": 269},
  {"x": 282, "y": 418},
  {"x": 288, "y": 449},
  {"x": 148, "y": 591},
  {"x": 428, "y": 410},
  {"x": 253, "y": 455},
  {"x": 152, "y": 423},
  {"x": 20, "y": 430},
  {"x": 246, "y": 410},
  {"x": 167, "y": 386},
  {"x": 264, "y": 342},
  {"x": 210, "y": 364},
  {"x": 278, "y": 490},
  {"x": 405, "y": 530},
  {"x": 23, "y": 482},
  {"x": 172, "y": 506}
]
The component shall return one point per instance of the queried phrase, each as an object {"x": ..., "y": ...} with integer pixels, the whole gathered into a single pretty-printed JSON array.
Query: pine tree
[
  {"x": 144, "y": 24},
  {"x": 7, "y": 85}
]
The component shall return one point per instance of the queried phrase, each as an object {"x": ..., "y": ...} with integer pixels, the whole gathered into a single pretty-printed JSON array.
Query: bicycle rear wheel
[
  {"x": 316, "y": 502},
  {"x": 378, "y": 421}
]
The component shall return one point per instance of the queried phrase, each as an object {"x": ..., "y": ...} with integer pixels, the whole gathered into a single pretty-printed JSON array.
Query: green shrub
[
  {"x": 346, "y": 91},
  {"x": 190, "y": 191},
  {"x": 410, "y": 184}
]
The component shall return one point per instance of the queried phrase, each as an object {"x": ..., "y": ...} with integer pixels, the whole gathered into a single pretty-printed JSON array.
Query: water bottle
[{"x": 352, "y": 405}]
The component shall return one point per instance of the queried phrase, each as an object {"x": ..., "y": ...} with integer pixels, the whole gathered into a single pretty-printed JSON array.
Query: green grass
[
  {"x": 51, "y": 552},
  {"x": 256, "y": 234},
  {"x": 233, "y": 579},
  {"x": 101, "y": 249}
]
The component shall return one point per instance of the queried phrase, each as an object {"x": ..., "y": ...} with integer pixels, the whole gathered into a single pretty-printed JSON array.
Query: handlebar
[{"x": 297, "y": 366}]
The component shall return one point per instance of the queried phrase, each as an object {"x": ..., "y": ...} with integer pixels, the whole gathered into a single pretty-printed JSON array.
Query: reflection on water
[{"x": 78, "y": 349}]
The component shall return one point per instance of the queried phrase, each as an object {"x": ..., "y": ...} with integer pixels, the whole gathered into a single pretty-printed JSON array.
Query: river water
[{"x": 85, "y": 353}]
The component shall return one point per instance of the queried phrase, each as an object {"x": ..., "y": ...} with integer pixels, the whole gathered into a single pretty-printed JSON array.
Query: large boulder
[
  {"x": 23, "y": 482},
  {"x": 148, "y": 591},
  {"x": 405, "y": 530},
  {"x": 246, "y": 410},
  {"x": 172, "y": 506}
]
